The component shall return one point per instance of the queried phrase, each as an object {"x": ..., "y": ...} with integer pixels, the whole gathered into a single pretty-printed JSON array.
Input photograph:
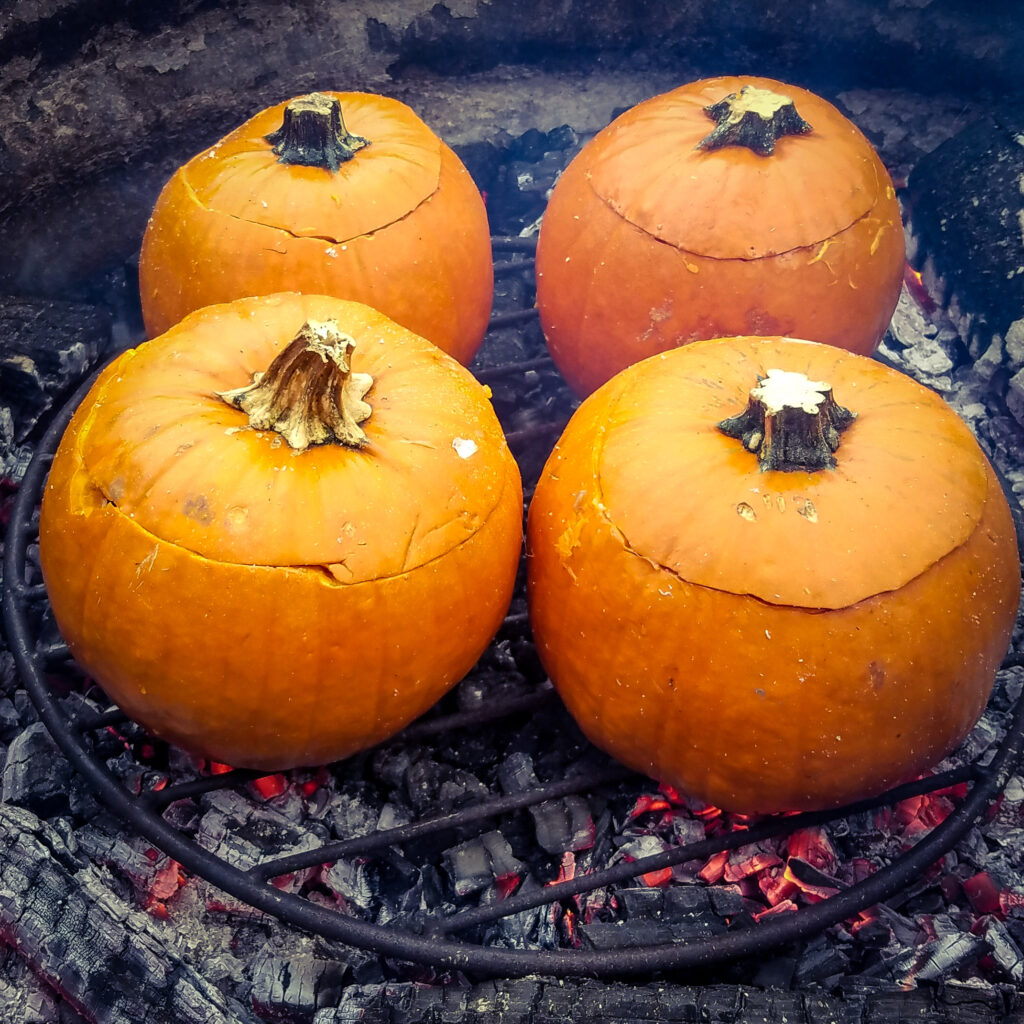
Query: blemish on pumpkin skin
[
  {"x": 745, "y": 511},
  {"x": 198, "y": 508},
  {"x": 877, "y": 674}
]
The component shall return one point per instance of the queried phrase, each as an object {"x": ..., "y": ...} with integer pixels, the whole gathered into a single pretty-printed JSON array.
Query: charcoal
[
  {"x": 1003, "y": 950},
  {"x": 933, "y": 961},
  {"x": 291, "y": 987},
  {"x": 440, "y": 787},
  {"x": 642, "y": 902},
  {"x": 819, "y": 963},
  {"x": 725, "y": 902},
  {"x": 87, "y": 943},
  {"x": 49, "y": 346},
  {"x": 477, "y": 863},
  {"x": 629, "y": 934},
  {"x": 243, "y": 834},
  {"x": 25, "y": 999},
  {"x": 564, "y": 824},
  {"x": 36, "y": 773},
  {"x": 133, "y": 858},
  {"x": 516, "y": 774},
  {"x": 964, "y": 203},
  {"x": 354, "y": 883},
  {"x": 536, "y": 928},
  {"x": 10, "y": 724}
]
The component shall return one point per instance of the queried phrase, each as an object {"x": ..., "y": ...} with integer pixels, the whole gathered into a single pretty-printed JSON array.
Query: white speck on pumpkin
[{"x": 464, "y": 447}]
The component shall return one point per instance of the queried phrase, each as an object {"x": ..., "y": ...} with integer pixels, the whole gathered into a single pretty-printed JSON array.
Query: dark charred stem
[
  {"x": 755, "y": 118},
  {"x": 313, "y": 133},
  {"x": 790, "y": 423}
]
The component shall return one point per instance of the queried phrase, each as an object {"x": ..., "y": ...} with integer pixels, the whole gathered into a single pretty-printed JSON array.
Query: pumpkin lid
[
  {"x": 656, "y": 167},
  {"x": 395, "y": 166},
  {"x": 186, "y": 466},
  {"x": 908, "y": 485}
]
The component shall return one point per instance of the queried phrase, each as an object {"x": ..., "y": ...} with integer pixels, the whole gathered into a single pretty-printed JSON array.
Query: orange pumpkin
[
  {"x": 770, "y": 572},
  {"x": 729, "y": 206},
  {"x": 281, "y": 573},
  {"x": 346, "y": 194}
]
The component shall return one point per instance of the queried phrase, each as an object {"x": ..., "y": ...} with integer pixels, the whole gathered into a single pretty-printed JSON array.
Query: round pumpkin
[
  {"x": 282, "y": 530},
  {"x": 346, "y": 194},
  {"x": 775, "y": 574},
  {"x": 729, "y": 206}
]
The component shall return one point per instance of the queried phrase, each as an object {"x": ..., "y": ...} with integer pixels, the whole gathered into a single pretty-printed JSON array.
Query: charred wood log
[
  {"x": 105, "y": 958},
  {"x": 542, "y": 1001}
]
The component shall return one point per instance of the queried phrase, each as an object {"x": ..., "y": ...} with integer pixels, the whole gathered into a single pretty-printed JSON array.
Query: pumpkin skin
[
  {"x": 400, "y": 226},
  {"x": 267, "y": 607},
  {"x": 649, "y": 242},
  {"x": 779, "y": 640}
]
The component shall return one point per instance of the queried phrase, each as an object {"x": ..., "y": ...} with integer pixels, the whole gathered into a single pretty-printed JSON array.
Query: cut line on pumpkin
[
  {"x": 327, "y": 239},
  {"x": 818, "y": 242},
  {"x": 323, "y": 570},
  {"x": 810, "y": 513}
]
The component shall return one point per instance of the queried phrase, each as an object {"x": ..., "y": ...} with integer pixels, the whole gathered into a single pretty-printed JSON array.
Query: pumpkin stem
[
  {"x": 790, "y": 422},
  {"x": 313, "y": 133},
  {"x": 755, "y": 118},
  {"x": 309, "y": 393}
]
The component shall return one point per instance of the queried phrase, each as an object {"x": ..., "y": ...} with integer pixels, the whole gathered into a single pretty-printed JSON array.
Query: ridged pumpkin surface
[
  {"x": 773, "y": 640},
  {"x": 650, "y": 241},
  {"x": 269, "y": 607},
  {"x": 400, "y": 226}
]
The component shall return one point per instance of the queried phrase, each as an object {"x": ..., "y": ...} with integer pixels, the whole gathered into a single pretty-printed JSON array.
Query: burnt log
[
  {"x": 543, "y": 1001},
  {"x": 105, "y": 958}
]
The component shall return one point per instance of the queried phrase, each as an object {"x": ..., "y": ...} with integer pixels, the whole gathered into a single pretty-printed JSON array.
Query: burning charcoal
[
  {"x": 813, "y": 846},
  {"x": 477, "y": 863},
  {"x": 36, "y": 773},
  {"x": 563, "y": 824},
  {"x": 687, "y": 830},
  {"x": 351, "y": 881},
  {"x": 1003, "y": 951},
  {"x": 537, "y": 927},
  {"x": 133, "y": 858},
  {"x": 814, "y": 884},
  {"x": 749, "y": 860}
]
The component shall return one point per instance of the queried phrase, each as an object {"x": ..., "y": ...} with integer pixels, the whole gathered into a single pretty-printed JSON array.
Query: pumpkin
[
  {"x": 346, "y": 194},
  {"x": 729, "y": 206},
  {"x": 772, "y": 573},
  {"x": 282, "y": 530}
]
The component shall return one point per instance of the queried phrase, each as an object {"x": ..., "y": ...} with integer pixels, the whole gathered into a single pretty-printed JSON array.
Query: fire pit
[{"x": 489, "y": 841}]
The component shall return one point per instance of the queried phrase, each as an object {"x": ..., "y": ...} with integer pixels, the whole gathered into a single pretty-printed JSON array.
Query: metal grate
[{"x": 431, "y": 940}]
